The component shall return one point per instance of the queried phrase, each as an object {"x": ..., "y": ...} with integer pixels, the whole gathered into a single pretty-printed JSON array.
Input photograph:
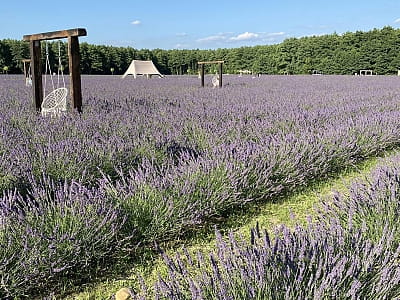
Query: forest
[{"x": 377, "y": 50}]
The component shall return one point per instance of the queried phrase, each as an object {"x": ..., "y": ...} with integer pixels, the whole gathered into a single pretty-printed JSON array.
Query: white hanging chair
[
  {"x": 28, "y": 81},
  {"x": 215, "y": 81},
  {"x": 28, "y": 78},
  {"x": 56, "y": 101}
]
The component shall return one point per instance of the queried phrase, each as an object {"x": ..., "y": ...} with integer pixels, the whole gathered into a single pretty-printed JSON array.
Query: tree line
[{"x": 377, "y": 50}]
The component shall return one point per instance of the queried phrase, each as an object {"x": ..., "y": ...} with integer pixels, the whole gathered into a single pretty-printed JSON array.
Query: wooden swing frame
[
  {"x": 202, "y": 63},
  {"x": 73, "y": 63}
]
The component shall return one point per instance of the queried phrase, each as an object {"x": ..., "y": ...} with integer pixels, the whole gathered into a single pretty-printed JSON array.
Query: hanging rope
[
  {"x": 60, "y": 71},
  {"x": 60, "y": 67},
  {"x": 47, "y": 70}
]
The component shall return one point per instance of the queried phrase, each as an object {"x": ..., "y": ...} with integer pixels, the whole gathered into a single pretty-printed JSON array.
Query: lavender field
[{"x": 149, "y": 160}]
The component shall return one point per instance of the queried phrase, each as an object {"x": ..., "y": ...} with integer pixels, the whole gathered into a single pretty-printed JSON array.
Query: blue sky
[{"x": 207, "y": 24}]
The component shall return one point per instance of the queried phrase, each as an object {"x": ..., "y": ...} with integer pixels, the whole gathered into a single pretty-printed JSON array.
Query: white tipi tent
[{"x": 142, "y": 67}]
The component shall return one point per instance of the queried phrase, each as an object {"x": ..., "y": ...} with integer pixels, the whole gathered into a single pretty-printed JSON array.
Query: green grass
[{"x": 289, "y": 210}]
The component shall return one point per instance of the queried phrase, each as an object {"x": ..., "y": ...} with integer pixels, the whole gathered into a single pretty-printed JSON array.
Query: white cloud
[
  {"x": 225, "y": 39},
  {"x": 212, "y": 38},
  {"x": 397, "y": 20},
  {"x": 136, "y": 22},
  {"x": 181, "y": 46},
  {"x": 276, "y": 33},
  {"x": 245, "y": 36},
  {"x": 182, "y": 34}
]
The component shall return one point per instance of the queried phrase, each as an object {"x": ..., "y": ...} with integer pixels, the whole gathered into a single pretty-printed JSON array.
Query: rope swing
[
  {"x": 28, "y": 77},
  {"x": 56, "y": 101}
]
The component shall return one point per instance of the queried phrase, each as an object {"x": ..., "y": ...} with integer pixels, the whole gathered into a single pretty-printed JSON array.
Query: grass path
[{"x": 286, "y": 210}]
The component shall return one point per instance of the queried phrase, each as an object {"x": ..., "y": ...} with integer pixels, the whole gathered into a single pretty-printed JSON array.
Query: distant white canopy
[{"x": 142, "y": 67}]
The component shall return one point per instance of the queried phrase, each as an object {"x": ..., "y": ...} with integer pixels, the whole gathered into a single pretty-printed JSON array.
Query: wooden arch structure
[
  {"x": 366, "y": 73},
  {"x": 73, "y": 63},
  {"x": 202, "y": 63}
]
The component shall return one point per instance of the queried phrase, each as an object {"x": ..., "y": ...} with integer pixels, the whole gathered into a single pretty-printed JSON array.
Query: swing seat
[
  {"x": 55, "y": 102},
  {"x": 215, "y": 81}
]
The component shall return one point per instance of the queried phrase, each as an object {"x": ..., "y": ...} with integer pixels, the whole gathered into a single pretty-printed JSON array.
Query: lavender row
[
  {"x": 260, "y": 121},
  {"x": 350, "y": 251},
  {"x": 58, "y": 235},
  {"x": 372, "y": 206}
]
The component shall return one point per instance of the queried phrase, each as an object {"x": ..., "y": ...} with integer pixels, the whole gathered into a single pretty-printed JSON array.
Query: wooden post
[
  {"x": 36, "y": 68},
  {"x": 220, "y": 74},
  {"x": 202, "y": 75},
  {"x": 75, "y": 74}
]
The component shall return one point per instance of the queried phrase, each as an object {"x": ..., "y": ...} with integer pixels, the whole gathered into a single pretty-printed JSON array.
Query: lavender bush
[
  {"x": 159, "y": 210},
  {"x": 168, "y": 155},
  {"x": 56, "y": 236},
  {"x": 373, "y": 205},
  {"x": 306, "y": 263}
]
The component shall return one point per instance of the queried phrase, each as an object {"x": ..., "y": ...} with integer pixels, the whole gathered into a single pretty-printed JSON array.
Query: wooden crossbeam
[{"x": 55, "y": 34}]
